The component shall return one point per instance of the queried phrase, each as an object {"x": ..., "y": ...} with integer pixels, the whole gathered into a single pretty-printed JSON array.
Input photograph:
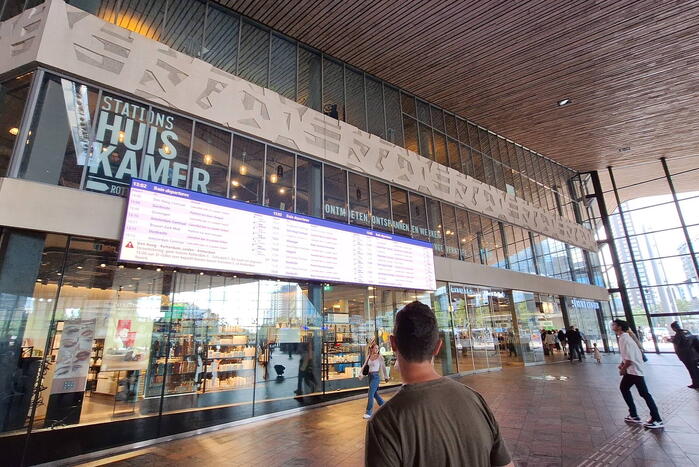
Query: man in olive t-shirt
[{"x": 433, "y": 420}]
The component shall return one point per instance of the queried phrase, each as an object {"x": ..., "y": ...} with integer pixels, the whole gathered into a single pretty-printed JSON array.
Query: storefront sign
[
  {"x": 170, "y": 226},
  {"x": 73, "y": 360},
  {"x": 577, "y": 303}
]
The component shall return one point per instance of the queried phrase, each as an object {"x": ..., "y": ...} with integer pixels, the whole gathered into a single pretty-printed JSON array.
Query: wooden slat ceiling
[{"x": 630, "y": 66}]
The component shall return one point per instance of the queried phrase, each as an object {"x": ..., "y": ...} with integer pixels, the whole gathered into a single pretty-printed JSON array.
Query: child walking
[{"x": 595, "y": 351}]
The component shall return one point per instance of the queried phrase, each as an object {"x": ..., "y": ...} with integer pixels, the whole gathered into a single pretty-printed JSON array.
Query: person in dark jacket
[
  {"x": 562, "y": 340},
  {"x": 687, "y": 350},
  {"x": 574, "y": 343}
]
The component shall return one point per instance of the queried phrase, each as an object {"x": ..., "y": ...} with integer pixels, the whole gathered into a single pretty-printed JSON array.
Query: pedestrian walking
[
  {"x": 631, "y": 370},
  {"x": 687, "y": 350},
  {"x": 574, "y": 343},
  {"x": 376, "y": 371},
  {"x": 562, "y": 340},
  {"x": 596, "y": 353}
]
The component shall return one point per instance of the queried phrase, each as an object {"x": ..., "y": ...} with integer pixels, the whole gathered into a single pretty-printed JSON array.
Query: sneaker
[
  {"x": 630, "y": 419},
  {"x": 367, "y": 415},
  {"x": 653, "y": 424}
]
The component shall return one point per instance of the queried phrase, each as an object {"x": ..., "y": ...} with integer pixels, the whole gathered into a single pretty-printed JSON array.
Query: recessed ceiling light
[{"x": 563, "y": 102}]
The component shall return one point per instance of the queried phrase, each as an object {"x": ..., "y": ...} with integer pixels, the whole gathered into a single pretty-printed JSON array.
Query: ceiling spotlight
[
  {"x": 103, "y": 265},
  {"x": 563, "y": 102},
  {"x": 14, "y": 131}
]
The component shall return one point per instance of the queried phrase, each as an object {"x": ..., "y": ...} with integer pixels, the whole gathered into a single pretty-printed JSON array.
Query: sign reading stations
[{"x": 172, "y": 226}]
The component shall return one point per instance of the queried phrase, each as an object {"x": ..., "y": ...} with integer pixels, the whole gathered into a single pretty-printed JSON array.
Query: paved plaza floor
[{"x": 556, "y": 414}]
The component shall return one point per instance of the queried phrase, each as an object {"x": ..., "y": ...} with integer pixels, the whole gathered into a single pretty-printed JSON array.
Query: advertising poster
[
  {"x": 73, "y": 359},
  {"x": 127, "y": 342}
]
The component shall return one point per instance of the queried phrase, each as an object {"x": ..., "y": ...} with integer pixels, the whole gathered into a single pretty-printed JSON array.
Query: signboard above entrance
[{"x": 171, "y": 226}]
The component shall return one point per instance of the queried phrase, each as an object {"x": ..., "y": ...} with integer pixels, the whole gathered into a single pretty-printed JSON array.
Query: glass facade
[
  {"x": 655, "y": 239},
  {"x": 135, "y": 139},
  {"x": 107, "y": 341}
]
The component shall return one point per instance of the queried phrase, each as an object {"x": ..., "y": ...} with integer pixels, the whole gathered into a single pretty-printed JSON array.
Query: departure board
[{"x": 171, "y": 226}]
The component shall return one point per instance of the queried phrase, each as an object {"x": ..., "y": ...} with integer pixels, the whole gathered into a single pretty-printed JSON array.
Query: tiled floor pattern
[{"x": 565, "y": 414}]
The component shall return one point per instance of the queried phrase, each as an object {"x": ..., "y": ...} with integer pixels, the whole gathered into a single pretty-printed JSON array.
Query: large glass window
[
  {"x": 400, "y": 211},
  {"x": 247, "y": 170},
  {"x": 221, "y": 38},
  {"x": 309, "y": 79},
  {"x": 166, "y": 152},
  {"x": 394, "y": 123},
  {"x": 435, "y": 229},
  {"x": 13, "y": 96},
  {"x": 333, "y": 89},
  {"x": 309, "y": 187},
  {"x": 210, "y": 158},
  {"x": 445, "y": 361},
  {"x": 57, "y": 146},
  {"x": 381, "y": 206},
  {"x": 375, "y": 108},
  {"x": 426, "y": 142},
  {"x": 411, "y": 139},
  {"x": 254, "y": 54},
  {"x": 360, "y": 212},
  {"x": 418, "y": 217},
  {"x": 279, "y": 182},
  {"x": 451, "y": 238},
  {"x": 335, "y": 190},
  {"x": 183, "y": 28},
  {"x": 282, "y": 73},
  {"x": 30, "y": 276},
  {"x": 355, "y": 98},
  {"x": 349, "y": 327}
]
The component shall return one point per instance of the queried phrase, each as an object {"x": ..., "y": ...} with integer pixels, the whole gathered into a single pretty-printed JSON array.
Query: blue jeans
[{"x": 374, "y": 381}]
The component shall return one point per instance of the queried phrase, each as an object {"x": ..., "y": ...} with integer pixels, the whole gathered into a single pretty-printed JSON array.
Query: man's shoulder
[{"x": 411, "y": 398}]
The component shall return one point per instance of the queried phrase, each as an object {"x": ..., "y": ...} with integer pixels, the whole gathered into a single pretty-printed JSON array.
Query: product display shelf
[
  {"x": 176, "y": 365},
  {"x": 95, "y": 365},
  {"x": 228, "y": 365},
  {"x": 350, "y": 356}
]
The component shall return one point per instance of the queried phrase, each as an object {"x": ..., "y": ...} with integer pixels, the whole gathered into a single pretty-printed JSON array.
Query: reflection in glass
[
  {"x": 309, "y": 187},
  {"x": 27, "y": 299},
  {"x": 380, "y": 206},
  {"x": 394, "y": 126},
  {"x": 335, "y": 186},
  {"x": 349, "y": 327},
  {"x": 359, "y": 200},
  {"x": 411, "y": 140},
  {"x": 279, "y": 186},
  {"x": 210, "y": 154},
  {"x": 309, "y": 71},
  {"x": 375, "y": 107},
  {"x": 221, "y": 38},
  {"x": 400, "y": 211},
  {"x": 418, "y": 217},
  {"x": 254, "y": 54},
  {"x": 355, "y": 98},
  {"x": 50, "y": 153},
  {"x": 333, "y": 89},
  {"x": 282, "y": 74},
  {"x": 445, "y": 360},
  {"x": 247, "y": 168},
  {"x": 435, "y": 228},
  {"x": 13, "y": 95}
]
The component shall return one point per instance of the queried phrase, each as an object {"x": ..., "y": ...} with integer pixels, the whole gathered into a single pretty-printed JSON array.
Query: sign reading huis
[{"x": 135, "y": 140}]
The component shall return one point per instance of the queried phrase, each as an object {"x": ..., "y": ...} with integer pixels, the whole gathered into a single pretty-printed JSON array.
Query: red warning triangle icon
[{"x": 129, "y": 245}]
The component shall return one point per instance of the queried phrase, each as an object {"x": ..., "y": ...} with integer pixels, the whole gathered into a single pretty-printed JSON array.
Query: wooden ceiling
[{"x": 629, "y": 66}]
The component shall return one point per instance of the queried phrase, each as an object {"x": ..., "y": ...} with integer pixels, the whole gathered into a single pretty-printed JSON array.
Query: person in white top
[
  {"x": 631, "y": 369},
  {"x": 377, "y": 371}
]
